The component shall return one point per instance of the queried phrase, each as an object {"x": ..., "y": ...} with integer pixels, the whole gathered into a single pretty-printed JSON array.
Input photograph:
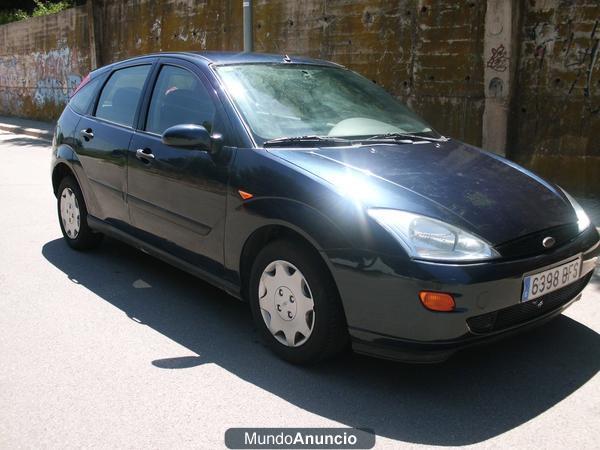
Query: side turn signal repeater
[
  {"x": 245, "y": 195},
  {"x": 437, "y": 301}
]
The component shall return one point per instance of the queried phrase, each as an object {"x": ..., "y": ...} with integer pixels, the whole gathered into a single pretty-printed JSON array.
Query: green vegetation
[
  {"x": 42, "y": 8},
  {"x": 12, "y": 16}
]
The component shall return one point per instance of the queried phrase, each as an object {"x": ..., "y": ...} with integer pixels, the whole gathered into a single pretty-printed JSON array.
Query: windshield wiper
[
  {"x": 301, "y": 141},
  {"x": 401, "y": 136}
]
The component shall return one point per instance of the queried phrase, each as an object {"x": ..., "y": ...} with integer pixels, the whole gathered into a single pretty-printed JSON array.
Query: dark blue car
[{"x": 308, "y": 191}]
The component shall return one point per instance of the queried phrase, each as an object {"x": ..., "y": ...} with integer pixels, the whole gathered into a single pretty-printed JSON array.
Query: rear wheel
[
  {"x": 72, "y": 216},
  {"x": 295, "y": 303}
]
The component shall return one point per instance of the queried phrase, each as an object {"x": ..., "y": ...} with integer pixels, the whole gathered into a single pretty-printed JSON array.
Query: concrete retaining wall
[
  {"x": 42, "y": 60},
  {"x": 520, "y": 76},
  {"x": 555, "y": 118}
]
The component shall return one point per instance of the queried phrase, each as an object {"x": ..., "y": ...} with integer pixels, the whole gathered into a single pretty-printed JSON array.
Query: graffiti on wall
[
  {"x": 55, "y": 90},
  {"x": 43, "y": 79},
  {"x": 12, "y": 86},
  {"x": 578, "y": 57},
  {"x": 56, "y": 79},
  {"x": 498, "y": 60}
]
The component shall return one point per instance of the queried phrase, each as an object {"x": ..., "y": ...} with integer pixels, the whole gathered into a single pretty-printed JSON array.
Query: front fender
[
  {"x": 246, "y": 218},
  {"x": 289, "y": 196}
]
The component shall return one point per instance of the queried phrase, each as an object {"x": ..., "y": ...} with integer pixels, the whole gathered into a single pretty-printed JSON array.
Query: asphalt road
[{"x": 115, "y": 349}]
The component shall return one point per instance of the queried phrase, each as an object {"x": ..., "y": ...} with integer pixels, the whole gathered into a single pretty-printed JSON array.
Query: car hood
[{"x": 452, "y": 181}]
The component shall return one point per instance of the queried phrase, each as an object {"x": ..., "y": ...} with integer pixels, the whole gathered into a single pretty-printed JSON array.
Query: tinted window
[
  {"x": 81, "y": 101},
  {"x": 121, "y": 94},
  {"x": 179, "y": 97}
]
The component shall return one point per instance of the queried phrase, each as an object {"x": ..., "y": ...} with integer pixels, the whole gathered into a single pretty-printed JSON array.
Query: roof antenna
[{"x": 287, "y": 59}]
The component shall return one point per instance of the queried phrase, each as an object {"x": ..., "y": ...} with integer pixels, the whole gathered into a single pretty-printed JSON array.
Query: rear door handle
[
  {"x": 87, "y": 134},
  {"x": 145, "y": 155}
]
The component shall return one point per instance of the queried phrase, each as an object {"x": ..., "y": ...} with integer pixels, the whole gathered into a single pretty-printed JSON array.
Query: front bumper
[{"x": 386, "y": 319}]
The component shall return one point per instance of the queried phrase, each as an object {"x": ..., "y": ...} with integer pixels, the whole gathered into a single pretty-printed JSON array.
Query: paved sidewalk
[{"x": 43, "y": 130}]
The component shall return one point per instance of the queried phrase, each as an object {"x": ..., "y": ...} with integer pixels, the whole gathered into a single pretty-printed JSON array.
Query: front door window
[{"x": 179, "y": 97}]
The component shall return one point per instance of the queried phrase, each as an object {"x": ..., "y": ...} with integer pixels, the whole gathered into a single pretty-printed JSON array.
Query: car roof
[
  {"x": 251, "y": 57},
  {"x": 223, "y": 58}
]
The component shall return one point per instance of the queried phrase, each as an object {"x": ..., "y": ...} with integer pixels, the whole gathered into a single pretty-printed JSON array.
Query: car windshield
[{"x": 294, "y": 100}]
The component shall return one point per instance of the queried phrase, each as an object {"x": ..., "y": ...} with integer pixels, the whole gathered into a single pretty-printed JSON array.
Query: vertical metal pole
[
  {"x": 92, "y": 35},
  {"x": 248, "y": 44}
]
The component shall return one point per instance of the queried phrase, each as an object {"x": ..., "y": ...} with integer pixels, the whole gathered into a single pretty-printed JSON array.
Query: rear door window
[
  {"x": 121, "y": 94},
  {"x": 179, "y": 97}
]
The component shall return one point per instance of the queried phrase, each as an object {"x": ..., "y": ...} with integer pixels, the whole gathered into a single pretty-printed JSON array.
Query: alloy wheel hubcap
[
  {"x": 286, "y": 303},
  {"x": 69, "y": 213}
]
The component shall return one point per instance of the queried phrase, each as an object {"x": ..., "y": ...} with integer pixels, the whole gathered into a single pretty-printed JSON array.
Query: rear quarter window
[{"x": 82, "y": 101}]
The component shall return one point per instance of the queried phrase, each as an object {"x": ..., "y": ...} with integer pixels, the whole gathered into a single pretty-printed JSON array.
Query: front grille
[
  {"x": 532, "y": 243},
  {"x": 524, "y": 312}
]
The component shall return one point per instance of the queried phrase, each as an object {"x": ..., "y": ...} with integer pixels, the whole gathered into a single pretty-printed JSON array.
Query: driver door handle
[{"x": 144, "y": 154}]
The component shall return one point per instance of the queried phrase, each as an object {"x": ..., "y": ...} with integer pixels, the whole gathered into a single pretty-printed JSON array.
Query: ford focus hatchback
[{"x": 308, "y": 191}]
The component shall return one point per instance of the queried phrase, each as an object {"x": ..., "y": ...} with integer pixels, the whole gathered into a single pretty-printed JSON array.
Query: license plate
[{"x": 550, "y": 280}]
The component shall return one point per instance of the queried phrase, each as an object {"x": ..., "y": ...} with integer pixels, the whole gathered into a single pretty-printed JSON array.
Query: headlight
[
  {"x": 583, "y": 221},
  {"x": 431, "y": 239}
]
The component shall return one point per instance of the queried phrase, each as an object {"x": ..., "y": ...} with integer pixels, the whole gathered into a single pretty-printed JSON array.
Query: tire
[
  {"x": 326, "y": 324},
  {"x": 72, "y": 216}
]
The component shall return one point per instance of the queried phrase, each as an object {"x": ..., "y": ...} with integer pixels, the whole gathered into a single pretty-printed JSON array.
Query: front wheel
[
  {"x": 72, "y": 215},
  {"x": 295, "y": 304}
]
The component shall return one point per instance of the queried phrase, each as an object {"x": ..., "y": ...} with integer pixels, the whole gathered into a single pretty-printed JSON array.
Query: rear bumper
[{"x": 386, "y": 319}]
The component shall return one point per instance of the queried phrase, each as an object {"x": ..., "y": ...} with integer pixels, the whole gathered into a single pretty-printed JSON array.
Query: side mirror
[{"x": 192, "y": 136}]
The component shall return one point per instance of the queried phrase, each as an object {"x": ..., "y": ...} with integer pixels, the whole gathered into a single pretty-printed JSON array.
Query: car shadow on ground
[
  {"x": 474, "y": 396},
  {"x": 23, "y": 141}
]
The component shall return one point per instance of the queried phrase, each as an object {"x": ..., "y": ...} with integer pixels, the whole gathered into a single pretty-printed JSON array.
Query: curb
[{"x": 34, "y": 132}]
